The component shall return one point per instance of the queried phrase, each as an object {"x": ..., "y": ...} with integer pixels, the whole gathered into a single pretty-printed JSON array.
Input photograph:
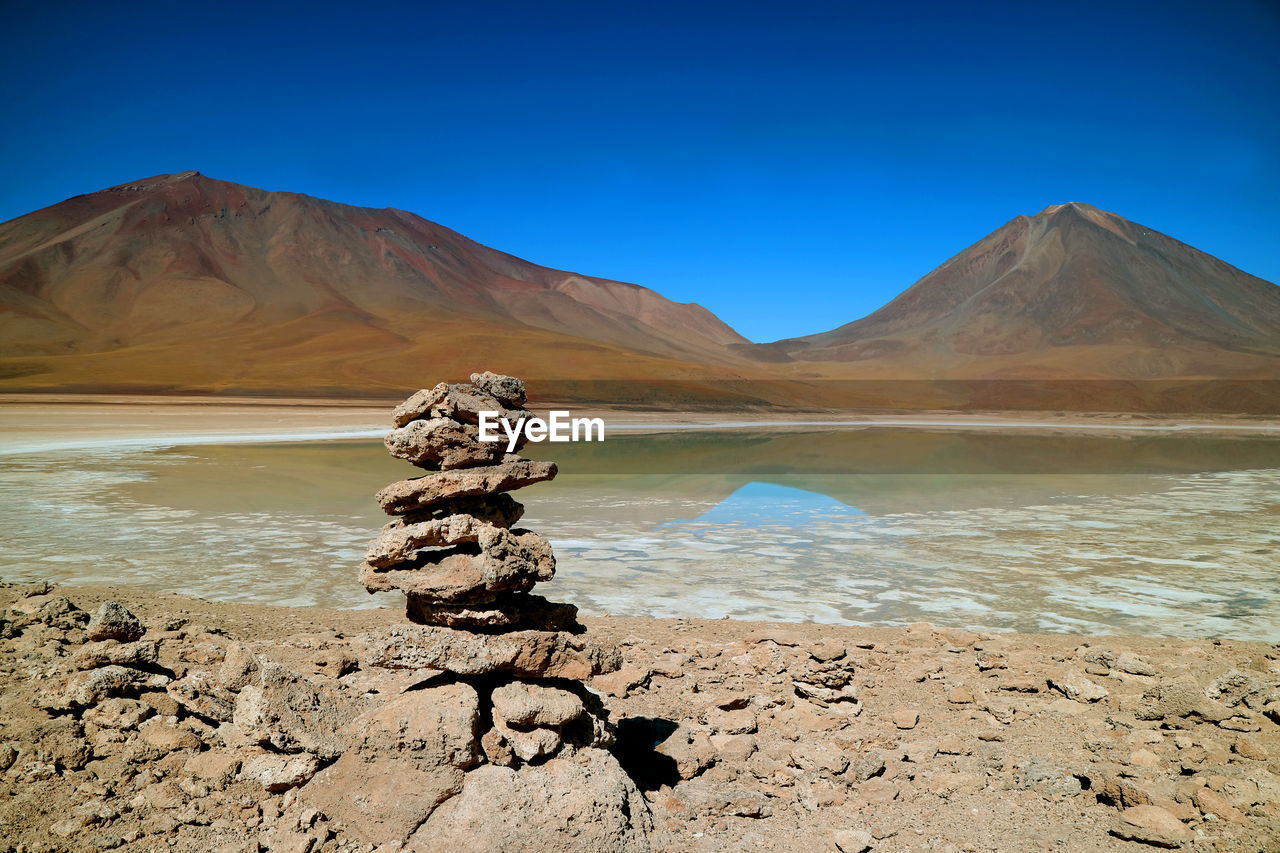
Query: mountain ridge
[
  {"x": 185, "y": 283},
  {"x": 103, "y": 276},
  {"x": 1040, "y": 286}
]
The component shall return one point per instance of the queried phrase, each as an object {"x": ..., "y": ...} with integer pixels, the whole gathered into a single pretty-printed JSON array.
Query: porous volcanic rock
[
  {"x": 405, "y": 759},
  {"x": 508, "y": 750},
  {"x": 111, "y": 621},
  {"x": 522, "y": 654},
  {"x": 585, "y": 802},
  {"x": 512, "y": 472}
]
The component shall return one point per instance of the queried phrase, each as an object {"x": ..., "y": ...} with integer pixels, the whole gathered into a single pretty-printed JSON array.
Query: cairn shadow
[{"x": 637, "y": 751}]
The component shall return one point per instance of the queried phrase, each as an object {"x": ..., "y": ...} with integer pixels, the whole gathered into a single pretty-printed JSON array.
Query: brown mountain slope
[
  {"x": 185, "y": 282},
  {"x": 1071, "y": 293}
]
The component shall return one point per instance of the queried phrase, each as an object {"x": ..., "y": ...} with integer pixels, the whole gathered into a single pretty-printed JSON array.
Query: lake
[{"x": 1162, "y": 533}]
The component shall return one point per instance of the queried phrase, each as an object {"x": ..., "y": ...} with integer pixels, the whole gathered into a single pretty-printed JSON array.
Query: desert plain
[{"x": 739, "y": 734}]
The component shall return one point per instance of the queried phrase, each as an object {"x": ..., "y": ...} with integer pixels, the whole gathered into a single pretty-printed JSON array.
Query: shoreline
[
  {"x": 74, "y": 422},
  {"x": 381, "y": 614}
]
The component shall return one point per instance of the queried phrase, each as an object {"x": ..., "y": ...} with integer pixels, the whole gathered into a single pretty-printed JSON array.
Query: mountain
[
  {"x": 183, "y": 282},
  {"x": 1073, "y": 292}
]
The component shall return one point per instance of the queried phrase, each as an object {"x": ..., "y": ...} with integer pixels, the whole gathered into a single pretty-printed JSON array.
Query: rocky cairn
[
  {"x": 513, "y": 719},
  {"x": 467, "y": 572}
]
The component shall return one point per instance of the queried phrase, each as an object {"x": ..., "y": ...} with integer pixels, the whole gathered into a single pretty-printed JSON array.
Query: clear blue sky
[{"x": 790, "y": 167}]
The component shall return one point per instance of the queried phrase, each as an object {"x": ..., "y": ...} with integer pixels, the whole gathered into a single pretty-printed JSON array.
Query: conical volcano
[{"x": 1073, "y": 291}]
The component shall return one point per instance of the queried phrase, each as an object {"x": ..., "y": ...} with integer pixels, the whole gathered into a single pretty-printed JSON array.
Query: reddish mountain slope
[
  {"x": 1073, "y": 292},
  {"x": 185, "y": 282}
]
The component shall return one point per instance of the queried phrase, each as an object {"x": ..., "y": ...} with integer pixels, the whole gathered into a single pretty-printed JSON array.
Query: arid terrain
[
  {"x": 188, "y": 284},
  {"x": 1072, "y": 292},
  {"x": 741, "y": 736}
]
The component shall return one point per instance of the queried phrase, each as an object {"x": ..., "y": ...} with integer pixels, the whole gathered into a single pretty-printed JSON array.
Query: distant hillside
[
  {"x": 1071, "y": 293},
  {"x": 182, "y": 282}
]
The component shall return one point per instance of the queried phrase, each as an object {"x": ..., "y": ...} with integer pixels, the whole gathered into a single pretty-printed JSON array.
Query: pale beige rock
[
  {"x": 584, "y": 802},
  {"x": 826, "y": 695},
  {"x": 1235, "y": 688},
  {"x": 1177, "y": 698},
  {"x": 1074, "y": 685},
  {"x": 505, "y": 389},
  {"x": 1212, "y": 802},
  {"x": 107, "y": 652},
  {"x": 878, "y": 791},
  {"x": 202, "y": 695},
  {"x": 852, "y": 840},
  {"x": 1121, "y": 790},
  {"x": 813, "y": 757},
  {"x": 1249, "y": 747},
  {"x": 622, "y": 680},
  {"x": 166, "y": 737},
  {"x": 278, "y": 773},
  {"x": 459, "y": 401},
  {"x": 499, "y": 561},
  {"x": 239, "y": 667},
  {"x": 1144, "y": 758},
  {"x": 734, "y": 749},
  {"x": 866, "y": 766},
  {"x": 522, "y": 704},
  {"x": 290, "y": 713},
  {"x": 90, "y": 688},
  {"x": 737, "y": 721},
  {"x": 441, "y": 443},
  {"x": 1152, "y": 825},
  {"x": 827, "y": 650},
  {"x": 512, "y": 473},
  {"x": 405, "y": 759},
  {"x": 217, "y": 767},
  {"x": 906, "y": 718},
  {"x": 690, "y": 749},
  {"x": 1134, "y": 665},
  {"x": 117, "y": 713},
  {"x": 111, "y": 621},
  {"x": 524, "y": 654},
  {"x": 530, "y": 744},
  {"x": 397, "y": 543},
  {"x": 918, "y": 752}
]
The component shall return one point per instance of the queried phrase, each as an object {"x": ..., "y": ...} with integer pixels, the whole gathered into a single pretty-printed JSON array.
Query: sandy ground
[{"x": 942, "y": 740}]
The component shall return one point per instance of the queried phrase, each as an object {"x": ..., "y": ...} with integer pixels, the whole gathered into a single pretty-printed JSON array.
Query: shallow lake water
[{"x": 1155, "y": 534}]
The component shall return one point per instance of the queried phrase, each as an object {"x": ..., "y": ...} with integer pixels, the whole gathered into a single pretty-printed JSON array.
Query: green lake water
[{"x": 1171, "y": 534}]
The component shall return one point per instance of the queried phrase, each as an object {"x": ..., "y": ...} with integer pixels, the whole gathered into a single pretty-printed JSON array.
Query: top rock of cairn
[{"x": 452, "y": 547}]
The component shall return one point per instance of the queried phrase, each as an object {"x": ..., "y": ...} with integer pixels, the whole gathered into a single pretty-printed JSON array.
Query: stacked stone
[{"x": 467, "y": 572}]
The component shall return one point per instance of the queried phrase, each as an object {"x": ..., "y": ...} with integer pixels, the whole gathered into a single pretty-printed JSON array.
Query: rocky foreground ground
[{"x": 740, "y": 736}]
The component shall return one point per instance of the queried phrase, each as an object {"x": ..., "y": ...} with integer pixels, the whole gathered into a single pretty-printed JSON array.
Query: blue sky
[{"x": 792, "y": 166}]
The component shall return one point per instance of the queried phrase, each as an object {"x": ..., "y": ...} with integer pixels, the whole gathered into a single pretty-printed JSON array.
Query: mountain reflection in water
[{"x": 760, "y": 504}]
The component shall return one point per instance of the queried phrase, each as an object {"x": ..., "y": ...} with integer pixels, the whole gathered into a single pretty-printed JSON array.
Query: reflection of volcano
[{"x": 759, "y": 504}]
